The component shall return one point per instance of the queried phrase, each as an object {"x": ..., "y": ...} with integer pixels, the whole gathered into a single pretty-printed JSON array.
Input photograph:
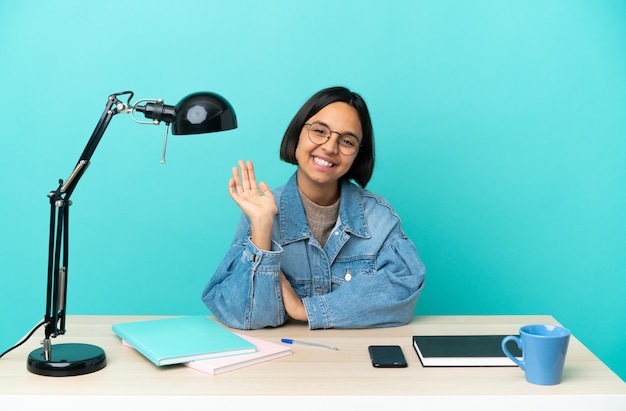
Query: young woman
[{"x": 319, "y": 249}]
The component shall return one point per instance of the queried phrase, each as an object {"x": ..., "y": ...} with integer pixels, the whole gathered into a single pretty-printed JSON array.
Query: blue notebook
[{"x": 182, "y": 339}]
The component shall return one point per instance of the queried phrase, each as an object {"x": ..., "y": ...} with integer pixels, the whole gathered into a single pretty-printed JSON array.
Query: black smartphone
[{"x": 387, "y": 356}]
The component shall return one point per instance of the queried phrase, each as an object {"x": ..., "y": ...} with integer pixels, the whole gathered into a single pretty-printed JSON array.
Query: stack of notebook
[{"x": 197, "y": 342}]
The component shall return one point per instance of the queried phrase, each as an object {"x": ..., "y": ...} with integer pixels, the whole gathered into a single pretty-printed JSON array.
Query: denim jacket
[{"x": 369, "y": 273}]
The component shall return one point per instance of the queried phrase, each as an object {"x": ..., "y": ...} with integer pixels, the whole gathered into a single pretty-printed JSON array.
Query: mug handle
[{"x": 518, "y": 341}]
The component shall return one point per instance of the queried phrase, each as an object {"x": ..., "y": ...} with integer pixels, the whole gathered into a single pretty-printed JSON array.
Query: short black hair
[{"x": 363, "y": 166}]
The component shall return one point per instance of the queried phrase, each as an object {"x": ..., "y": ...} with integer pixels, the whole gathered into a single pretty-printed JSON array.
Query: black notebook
[{"x": 464, "y": 351}]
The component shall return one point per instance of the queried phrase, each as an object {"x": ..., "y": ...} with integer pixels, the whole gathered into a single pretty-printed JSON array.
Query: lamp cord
[{"x": 23, "y": 340}]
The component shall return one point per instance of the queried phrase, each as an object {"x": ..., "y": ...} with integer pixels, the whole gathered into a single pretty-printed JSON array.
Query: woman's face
[{"x": 320, "y": 166}]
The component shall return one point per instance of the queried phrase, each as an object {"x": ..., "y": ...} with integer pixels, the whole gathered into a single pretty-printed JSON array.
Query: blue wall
[{"x": 500, "y": 126}]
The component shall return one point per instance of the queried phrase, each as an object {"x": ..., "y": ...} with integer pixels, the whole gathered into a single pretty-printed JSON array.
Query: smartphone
[{"x": 387, "y": 356}]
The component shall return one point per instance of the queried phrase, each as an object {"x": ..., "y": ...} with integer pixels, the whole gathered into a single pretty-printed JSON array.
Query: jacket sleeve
[
  {"x": 386, "y": 298},
  {"x": 244, "y": 291}
]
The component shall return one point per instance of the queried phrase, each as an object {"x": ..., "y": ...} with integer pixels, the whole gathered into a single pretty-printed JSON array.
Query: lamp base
[{"x": 67, "y": 360}]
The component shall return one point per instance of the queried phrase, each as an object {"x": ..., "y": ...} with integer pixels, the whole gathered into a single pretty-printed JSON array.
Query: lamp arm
[
  {"x": 113, "y": 107},
  {"x": 54, "y": 319}
]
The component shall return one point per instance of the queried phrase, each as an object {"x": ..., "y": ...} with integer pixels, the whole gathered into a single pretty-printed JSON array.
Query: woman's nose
[{"x": 331, "y": 145}]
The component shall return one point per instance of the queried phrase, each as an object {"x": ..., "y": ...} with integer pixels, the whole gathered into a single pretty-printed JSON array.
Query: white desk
[{"x": 311, "y": 378}]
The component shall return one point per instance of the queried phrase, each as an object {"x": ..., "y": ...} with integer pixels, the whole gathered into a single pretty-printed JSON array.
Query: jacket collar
[{"x": 293, "y": 222}]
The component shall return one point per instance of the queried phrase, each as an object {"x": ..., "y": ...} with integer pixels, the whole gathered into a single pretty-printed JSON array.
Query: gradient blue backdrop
[{"x": 500, "y": 127}]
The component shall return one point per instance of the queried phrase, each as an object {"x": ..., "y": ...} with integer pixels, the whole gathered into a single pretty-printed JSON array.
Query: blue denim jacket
[{"x": 369, "y": 274}]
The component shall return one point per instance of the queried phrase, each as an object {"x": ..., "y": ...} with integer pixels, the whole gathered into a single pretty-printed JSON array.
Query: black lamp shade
[{"x": 203, "y": 112}]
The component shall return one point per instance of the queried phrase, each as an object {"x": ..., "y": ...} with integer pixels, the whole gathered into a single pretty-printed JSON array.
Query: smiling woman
[
  {"x": 322, "y": 165},
  {"x": 319, "y": 249}
]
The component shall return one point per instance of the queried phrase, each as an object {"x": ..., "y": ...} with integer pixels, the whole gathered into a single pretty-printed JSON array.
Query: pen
[{"x": 290, "y": 341}]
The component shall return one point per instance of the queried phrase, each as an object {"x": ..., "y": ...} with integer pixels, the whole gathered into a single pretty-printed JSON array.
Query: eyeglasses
[{"x": 319, "y": 134}]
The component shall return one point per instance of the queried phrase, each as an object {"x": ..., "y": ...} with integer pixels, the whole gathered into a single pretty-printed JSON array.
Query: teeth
[{"x": 322, "y": 163}]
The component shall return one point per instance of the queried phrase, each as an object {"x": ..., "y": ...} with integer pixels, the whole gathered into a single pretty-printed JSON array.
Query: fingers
[
  {"x": 247, "y": 180},
  {"x": 265, "y": 189},
  {"x": 234, "y": 184},
  {"x": 243, "y": 179},
  {"x": 257, "y": 202},
  {"x": 245, "y": 175},
  {"x": 251, "y": 176}
]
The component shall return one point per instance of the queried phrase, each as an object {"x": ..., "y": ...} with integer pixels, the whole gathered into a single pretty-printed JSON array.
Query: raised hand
[{"x": 257, "y": 203}]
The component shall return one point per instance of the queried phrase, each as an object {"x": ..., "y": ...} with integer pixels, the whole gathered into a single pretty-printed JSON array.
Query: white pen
[{"x": 290, "y": 341}]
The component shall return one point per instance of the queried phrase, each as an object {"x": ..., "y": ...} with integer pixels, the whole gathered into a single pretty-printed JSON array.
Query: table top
[{"x": 311, "y": 371}]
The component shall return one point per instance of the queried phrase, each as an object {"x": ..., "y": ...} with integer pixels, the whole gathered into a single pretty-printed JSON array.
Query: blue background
[{"x": 500, "y": 130}]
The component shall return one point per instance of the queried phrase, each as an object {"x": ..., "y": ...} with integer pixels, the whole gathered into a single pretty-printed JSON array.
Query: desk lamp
[{"x": 201, "y": 112}]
